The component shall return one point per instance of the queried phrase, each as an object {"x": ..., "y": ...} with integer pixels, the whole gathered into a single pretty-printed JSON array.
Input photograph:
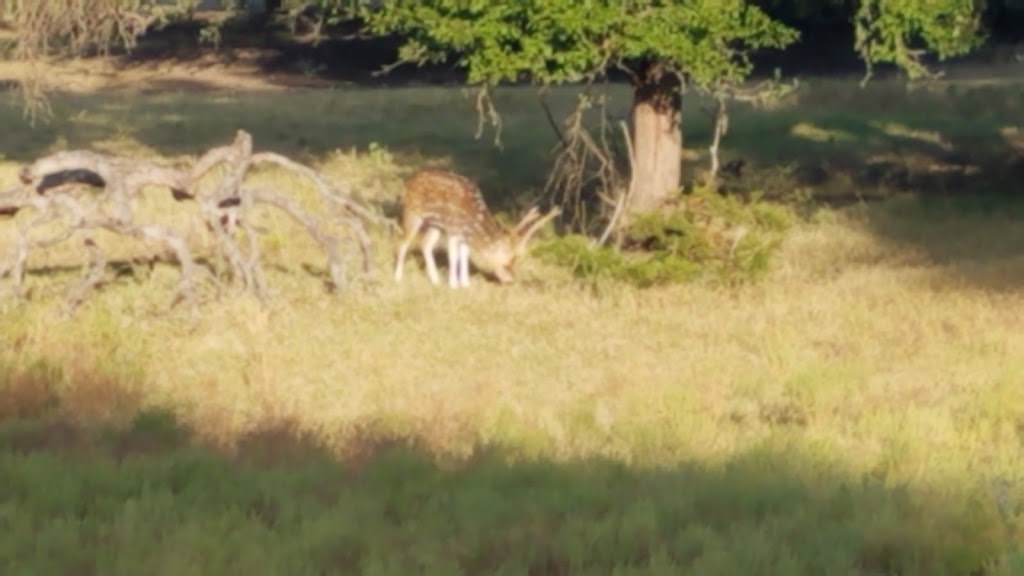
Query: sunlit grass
[{"x": 857, "y": 411}]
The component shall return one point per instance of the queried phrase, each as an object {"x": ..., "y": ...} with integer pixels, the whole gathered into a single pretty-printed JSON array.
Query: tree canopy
[
  {"x": 902, "y": 32},
  {"x": 568, "y": 41},
  {"x": 708, "y": 40},
  {"x": 554, "y": 42}
]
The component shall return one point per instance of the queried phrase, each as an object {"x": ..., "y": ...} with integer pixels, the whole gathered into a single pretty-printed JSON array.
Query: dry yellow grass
[
  {"x": 853, "y": 343},
  {"x": 896, "y": 356}
]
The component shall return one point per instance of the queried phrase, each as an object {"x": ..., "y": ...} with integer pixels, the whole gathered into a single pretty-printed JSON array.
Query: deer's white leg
[
  {"x": 464, "y": 264},
  {"x": 429, "y": 243},
  {"x": 454, "y": 242},
  {"x": 403, "y": 249}
]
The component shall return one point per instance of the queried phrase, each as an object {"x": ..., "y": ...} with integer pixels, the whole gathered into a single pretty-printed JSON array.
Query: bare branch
[
  {"x": 585, "y": 168},
  {"x": 551, "y": 120},
  {"x": 92, "y": 275},
  {"x": 335, "y": 265},
  {"x": 486, "y": 111},
  {"x": 334, "y": 196},
  {"x": 721, "y": 127},
  {"x": 620, "y": 206}
]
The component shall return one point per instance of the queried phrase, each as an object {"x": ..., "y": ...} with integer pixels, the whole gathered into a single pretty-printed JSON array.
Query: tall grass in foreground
[
  {"x": 858, "y": 411},
  {"x": 121, "y": 502}
]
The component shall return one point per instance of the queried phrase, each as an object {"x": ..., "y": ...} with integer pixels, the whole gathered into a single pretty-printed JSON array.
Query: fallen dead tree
[{"x": 59, "y": 190}]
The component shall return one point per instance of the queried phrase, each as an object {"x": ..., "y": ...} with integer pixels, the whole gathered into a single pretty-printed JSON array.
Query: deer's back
[{"x": 449, "y": 202}]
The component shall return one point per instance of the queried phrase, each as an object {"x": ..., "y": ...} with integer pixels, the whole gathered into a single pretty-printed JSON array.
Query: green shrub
[{"x": 706, "y": 236}]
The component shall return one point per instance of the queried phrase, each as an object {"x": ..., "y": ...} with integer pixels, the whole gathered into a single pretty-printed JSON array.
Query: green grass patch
[
  {"x": 76, "y": 501},
  {"x": 708, "y": 236}
]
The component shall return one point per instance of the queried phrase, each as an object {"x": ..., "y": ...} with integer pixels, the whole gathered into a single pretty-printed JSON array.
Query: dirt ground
[{"x": 239, "y": 71}]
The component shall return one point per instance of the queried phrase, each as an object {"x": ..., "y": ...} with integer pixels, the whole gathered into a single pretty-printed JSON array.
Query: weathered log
[{"x": 87, "y": 190}]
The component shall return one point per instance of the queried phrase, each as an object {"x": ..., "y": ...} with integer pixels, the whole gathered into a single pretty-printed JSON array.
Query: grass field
[{"x": 860, "y": 411}]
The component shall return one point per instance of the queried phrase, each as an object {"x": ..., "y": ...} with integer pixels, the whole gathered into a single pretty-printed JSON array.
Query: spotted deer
[{"x": 439, "y": 202}]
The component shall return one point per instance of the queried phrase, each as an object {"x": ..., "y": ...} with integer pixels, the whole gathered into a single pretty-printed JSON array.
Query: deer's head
[{"x": 500, "y": 257}]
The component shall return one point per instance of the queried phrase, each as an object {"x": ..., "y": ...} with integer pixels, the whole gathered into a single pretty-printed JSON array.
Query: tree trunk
[{"x": 657, "y": 138}]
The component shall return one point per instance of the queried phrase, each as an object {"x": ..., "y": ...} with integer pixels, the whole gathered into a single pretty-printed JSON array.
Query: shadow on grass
[
  {"x": 978, "y": 239},
  {"x": 412, "y": 126},
  {"x": 413, "y": 110},
  {"x": 842, "y": 142},
  {"x": 147, "y": 495},
  {"x": 933, "y": 170},
  {"x": 835, "y": 142},
  {"x": 833, "y": 137}
]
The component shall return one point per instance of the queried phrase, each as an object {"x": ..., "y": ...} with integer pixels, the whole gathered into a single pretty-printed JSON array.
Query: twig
[
  {"x": 92, "y": 275},
  {"x": 721, "y": 116},
  {"x": 551, "y": 120},
  {"x": 620, "y": 206},
  {"x": 485, "y": 109}
]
